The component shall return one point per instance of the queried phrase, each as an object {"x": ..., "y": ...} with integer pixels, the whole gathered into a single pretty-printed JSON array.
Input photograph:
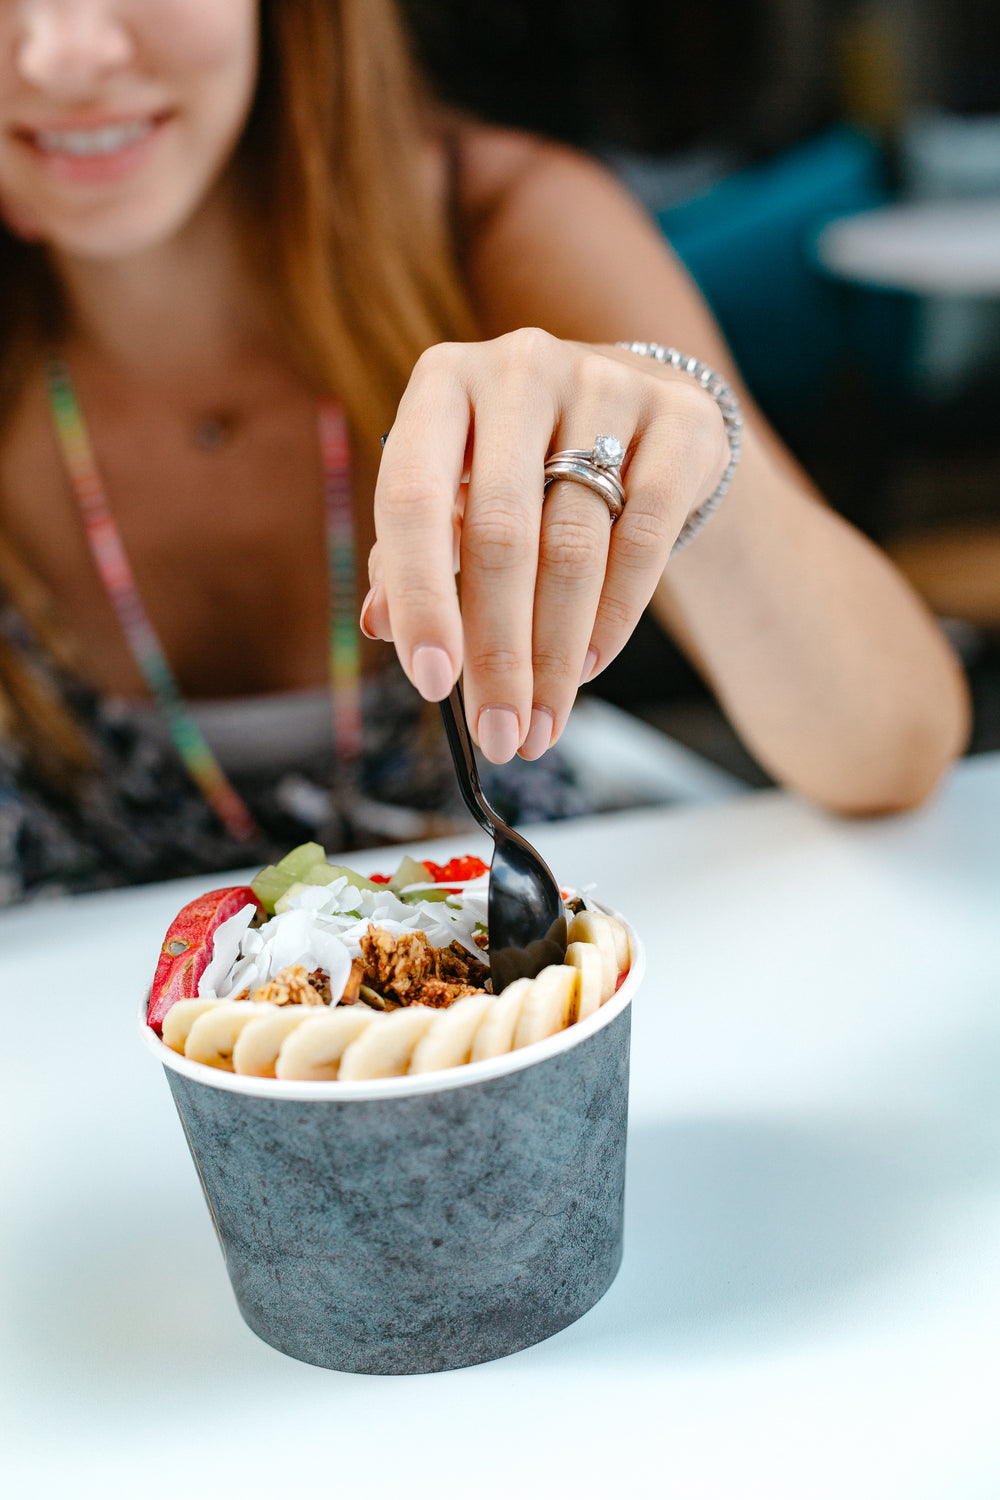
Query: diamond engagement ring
[{"x": 599, "y": 468}]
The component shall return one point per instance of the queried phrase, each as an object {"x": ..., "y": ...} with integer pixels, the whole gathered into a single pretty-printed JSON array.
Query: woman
[{"x": 230, "y": 221}]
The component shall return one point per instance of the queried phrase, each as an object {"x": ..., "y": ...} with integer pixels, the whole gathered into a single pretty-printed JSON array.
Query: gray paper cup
[{"x": 405, "y": 1225}]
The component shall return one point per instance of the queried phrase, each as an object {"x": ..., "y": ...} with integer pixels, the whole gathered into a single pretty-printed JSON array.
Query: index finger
[{"x": 415, "y": 496}]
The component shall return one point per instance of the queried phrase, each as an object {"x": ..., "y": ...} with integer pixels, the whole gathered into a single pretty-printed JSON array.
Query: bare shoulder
[
  {"x": 553, "y": 239},
  {"x": 500, "y": 168}
]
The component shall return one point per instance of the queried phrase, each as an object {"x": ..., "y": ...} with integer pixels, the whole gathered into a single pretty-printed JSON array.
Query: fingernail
[
  {"x": 363, "y": 619},
  {"x": 588, "y": 666},
  {"x": 499, "y": 733},
  {"x": 432, "y": 673},
  {"x": 539, "y": 735}
]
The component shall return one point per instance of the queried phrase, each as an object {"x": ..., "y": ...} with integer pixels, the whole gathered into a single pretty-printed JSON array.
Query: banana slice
[
  {"x": 384, "y": 1050},
  {"x": 623, "y": 948},
  {"x": 260, "y": 1041},
  {"x": 548, "y": 1004},
  {"x": 496, "y": 1033},
  {"x": 313, "y": 1050},
  {"x": 180, "y": 1018},
  {"x": 213, "y": 1036},
  {"x": 448, "y": 1042},
  {"x": 586, "y": 958},
  {"x": 594, "y": 927}
]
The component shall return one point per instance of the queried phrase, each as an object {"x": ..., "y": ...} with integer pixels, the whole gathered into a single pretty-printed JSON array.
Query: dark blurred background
[{"x": 746, "y": 127}]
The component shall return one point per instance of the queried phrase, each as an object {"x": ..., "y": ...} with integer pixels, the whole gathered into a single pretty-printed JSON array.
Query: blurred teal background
[
  {"x": 748, "y": 241},
  {"x": 744, "y": 127}
]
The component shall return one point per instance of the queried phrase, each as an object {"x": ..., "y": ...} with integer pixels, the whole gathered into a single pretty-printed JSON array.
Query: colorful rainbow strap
[{"x": 113, "y": 567}]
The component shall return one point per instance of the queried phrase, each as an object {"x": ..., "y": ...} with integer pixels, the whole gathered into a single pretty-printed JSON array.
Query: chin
[{"x": 116, "y": 237}]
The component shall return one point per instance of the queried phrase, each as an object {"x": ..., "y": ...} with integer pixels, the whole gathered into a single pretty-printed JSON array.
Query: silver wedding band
[{"x": 599, "y": 468}]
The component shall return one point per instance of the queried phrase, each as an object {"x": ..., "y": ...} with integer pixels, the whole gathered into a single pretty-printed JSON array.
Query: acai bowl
[{"x": 462, "y": 1206}]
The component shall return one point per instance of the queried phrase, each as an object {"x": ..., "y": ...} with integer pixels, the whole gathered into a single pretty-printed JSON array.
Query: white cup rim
[{"x": 468, "y": 1074}]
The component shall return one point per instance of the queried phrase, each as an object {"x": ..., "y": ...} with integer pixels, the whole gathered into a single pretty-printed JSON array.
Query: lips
[
  {"x": 91, "y": 151},
  {"x": 104, "y": 140},
  {"x": 96, "y": 135}
]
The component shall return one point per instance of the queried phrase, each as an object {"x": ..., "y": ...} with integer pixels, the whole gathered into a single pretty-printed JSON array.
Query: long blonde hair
[
  {"x": 334, "y": 170},
  {"x": 342, "y": 231}
]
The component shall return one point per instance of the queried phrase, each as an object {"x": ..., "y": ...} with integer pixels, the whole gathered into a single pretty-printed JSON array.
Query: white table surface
[
  {"x": 809, "y": 1305},
  {"x": 939, "y": 247}
]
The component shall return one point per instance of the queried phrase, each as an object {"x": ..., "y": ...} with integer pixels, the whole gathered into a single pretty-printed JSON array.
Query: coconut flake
[
  {"x": 322, "y": 927},
  {"x": 225, "y": 947}
]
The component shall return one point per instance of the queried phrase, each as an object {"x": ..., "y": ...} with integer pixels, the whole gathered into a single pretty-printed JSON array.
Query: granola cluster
[
  {"x": 293, "y": 986},
  {"x": 405, "y": 970},
  {"x": 393, "y": 971}
]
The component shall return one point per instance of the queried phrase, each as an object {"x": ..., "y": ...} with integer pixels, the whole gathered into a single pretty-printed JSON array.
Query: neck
[{"x": 172, "y": 312}]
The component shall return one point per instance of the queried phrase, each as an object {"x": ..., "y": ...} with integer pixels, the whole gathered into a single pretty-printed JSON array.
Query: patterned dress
[{"x": 137, "y": 816}]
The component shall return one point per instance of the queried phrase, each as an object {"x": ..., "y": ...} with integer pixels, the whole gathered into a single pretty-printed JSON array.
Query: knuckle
[
  {"x": 643, "y": 542},
  {"x": 615, "y": 616},
  {"x": 497, "y": 540},
  {"x": 406, "y": 485},
  {"x": 695, "y": 411},
  {"x": 687, "y": 396},
  {"x": 419, "y": 596},
  {"x": 494, "y": 661},
  {"x": 569, "y": 548},
  {"x": 597, "y": 374},
  {"x": 498, "y": 496},
  {"x": 438, "y": 359},
  {"x": 526, "y": 346},
  {"x": 552, "y": 665}
]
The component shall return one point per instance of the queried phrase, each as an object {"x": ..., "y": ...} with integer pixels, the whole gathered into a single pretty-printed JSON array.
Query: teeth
[{"x": 102, "y": 142}]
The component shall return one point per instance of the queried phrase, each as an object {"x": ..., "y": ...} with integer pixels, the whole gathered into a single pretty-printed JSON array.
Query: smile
[{"x": 105, "y": 140}]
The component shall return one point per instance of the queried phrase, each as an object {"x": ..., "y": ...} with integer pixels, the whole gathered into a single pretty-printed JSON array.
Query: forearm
[{"x": 830, "y": 669}]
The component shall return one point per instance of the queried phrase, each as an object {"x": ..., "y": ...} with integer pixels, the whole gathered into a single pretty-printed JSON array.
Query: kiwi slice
[
  {"x": 271, "y": 883},
  {"x": 300, "y": 859},
  {"x": 409, "y": 872},
  {"x": 324, "y": 874},
  {"x": 435, "y": 893}
]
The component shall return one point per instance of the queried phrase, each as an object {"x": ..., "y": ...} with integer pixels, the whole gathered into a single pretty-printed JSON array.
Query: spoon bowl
[{"x": 526, "y": 915}]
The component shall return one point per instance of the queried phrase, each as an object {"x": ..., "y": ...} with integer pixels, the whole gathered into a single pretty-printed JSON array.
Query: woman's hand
[
  {"x": 830, "y": 670},
  {"x": 550, "y": 590}
]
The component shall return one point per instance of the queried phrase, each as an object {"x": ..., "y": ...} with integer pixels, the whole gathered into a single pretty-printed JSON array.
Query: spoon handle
[{"x": 460, "y": 745}]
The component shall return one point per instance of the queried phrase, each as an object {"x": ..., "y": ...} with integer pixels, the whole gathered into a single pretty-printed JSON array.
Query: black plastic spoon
[{"x": 527, "y": 919}]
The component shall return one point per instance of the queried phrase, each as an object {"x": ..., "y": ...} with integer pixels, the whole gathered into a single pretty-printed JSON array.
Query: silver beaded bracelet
[{"x": 731, "y": 416}]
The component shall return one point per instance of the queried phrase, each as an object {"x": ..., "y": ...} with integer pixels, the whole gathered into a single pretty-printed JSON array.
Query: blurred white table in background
[
  {"x": 945, "y": 246},
  {"x": 618, "y": 761},
  {"x": 945, "y": 251},
  {"x": 809, "y": 1307}
]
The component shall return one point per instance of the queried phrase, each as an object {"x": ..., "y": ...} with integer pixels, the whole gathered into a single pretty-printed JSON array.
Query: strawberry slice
[
  {"x": 462, "y": 867},
  {"x": 187, "y": 947}
]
